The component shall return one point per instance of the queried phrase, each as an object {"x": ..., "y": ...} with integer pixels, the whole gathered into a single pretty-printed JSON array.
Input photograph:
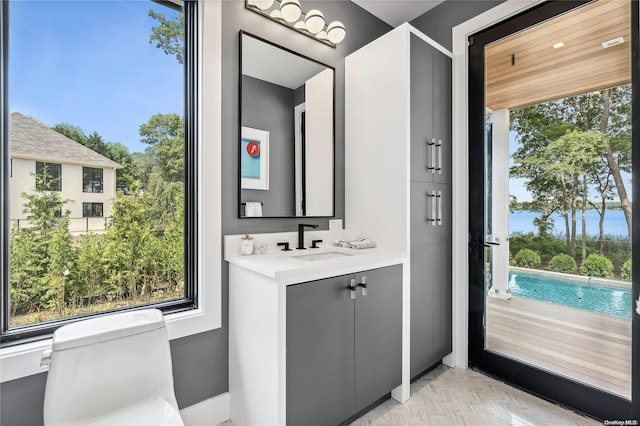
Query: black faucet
[{"x": 301, "y": 227}]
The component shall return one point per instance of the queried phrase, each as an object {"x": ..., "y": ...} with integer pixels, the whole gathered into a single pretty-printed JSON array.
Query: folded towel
[
  {"x": 356, "y": 243},
  {"x": 253, "y": 209},
  {"x": 362, "y": 243}
]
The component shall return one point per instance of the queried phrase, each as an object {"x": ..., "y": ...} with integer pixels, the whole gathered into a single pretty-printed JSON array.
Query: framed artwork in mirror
[{"x": 254, "y": 159}]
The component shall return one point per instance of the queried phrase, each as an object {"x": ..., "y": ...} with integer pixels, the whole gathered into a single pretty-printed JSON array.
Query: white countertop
[{"x": 289, "y": 267}]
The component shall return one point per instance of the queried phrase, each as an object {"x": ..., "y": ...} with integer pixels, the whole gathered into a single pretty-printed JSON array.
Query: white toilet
[{"x": 113, "y": 370}]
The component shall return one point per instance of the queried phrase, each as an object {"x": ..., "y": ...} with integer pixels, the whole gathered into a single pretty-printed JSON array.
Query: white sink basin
[{"x": 321, "y": 256}]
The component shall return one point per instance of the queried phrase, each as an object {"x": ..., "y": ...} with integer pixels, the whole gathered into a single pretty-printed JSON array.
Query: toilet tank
[{"x": 105, "y": 364}]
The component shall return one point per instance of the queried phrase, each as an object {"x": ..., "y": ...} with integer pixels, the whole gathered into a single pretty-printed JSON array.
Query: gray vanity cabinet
[
  {"x": 342, "y": 354},
  {"x": 430, "y": 206}
]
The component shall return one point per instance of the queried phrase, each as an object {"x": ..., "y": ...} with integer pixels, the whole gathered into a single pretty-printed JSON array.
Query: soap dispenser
[{"x": 246, "y": 245}]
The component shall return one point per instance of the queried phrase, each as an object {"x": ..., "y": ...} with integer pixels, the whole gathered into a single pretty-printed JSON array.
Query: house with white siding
[{"x": 85, "y": 179}]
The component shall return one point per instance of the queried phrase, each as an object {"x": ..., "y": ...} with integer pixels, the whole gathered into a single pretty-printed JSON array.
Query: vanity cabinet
[
  {"x": 343, "y": 354},
  {"x": 301, "y": 350},
  {"x": 398, "y": 174}
]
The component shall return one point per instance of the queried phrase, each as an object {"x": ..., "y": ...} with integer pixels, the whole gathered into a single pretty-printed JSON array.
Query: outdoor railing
[{"x": 76, "y": 224}]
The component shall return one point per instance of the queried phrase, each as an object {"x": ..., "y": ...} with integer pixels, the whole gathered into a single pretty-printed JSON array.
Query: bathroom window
[
  {"x": 92, "y": 179},
  {"x": 115, "y": 88}
]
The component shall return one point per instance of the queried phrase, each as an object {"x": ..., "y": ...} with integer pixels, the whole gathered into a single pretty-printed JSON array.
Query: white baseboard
[{"x": 210, "y": 412}]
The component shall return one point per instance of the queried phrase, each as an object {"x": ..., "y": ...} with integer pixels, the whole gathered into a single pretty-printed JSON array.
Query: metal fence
[{"x": 77, "y": 225}]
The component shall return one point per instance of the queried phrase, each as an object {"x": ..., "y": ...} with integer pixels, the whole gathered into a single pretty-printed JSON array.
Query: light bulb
[
  {"x": 336, "y": 32},
  {"x": 300, "y": 26},
  {"x": 275, "y": 14},
  {"x": 322, "y": 35},
  {"x": 314, "y": 20},
  {"x": 261, "y": 4},
  {"x": 290, "y": 10}
]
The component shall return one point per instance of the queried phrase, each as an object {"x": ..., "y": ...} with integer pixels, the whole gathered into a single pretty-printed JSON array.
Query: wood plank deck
[{"x": 591, "y": 348}]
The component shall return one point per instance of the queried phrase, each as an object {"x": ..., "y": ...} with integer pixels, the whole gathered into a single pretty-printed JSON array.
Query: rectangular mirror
[{"x": 286, "y": 133}]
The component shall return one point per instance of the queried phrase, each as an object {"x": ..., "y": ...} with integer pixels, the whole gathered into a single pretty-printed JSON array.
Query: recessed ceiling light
[
  {"x": 558, "y": 45},
  {"x": 612, "y": 42}
]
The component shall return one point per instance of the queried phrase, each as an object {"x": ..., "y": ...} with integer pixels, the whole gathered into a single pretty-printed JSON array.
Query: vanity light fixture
[{"x": 290, "y": 14}]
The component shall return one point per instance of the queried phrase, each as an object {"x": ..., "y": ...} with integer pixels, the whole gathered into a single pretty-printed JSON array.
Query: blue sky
[{"x": 89, "y": 63}]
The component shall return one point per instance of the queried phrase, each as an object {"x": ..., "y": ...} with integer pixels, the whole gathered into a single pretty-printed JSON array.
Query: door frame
[{"x": 463, "y": 293}]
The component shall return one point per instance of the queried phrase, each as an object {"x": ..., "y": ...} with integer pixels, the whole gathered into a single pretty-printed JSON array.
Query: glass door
[{"x": 551, "y": 164}]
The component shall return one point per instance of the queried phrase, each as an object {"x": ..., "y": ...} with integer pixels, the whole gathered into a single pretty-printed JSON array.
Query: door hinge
[{"x": 471, "y": 41}]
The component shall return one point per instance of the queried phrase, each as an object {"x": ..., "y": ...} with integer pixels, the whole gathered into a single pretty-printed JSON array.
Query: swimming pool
[{"x": 595, "y": 298}]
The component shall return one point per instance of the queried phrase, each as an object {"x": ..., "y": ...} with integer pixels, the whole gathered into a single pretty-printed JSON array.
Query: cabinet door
[
  {"x": 422, "y": 145},
  {"x": 430, "y": 211},
  {"x": 320, "y": 353},
  {"x": 378, "y": 335},
  {"x": 430, "y": 305},
  {"x": 442, "y": 115},
  {"x": 430, "y": 276}
]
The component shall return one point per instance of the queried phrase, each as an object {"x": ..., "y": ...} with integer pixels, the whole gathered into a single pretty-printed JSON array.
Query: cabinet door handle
[
  {"x": 363, "y": 284},
  {"x": 432, "y": 144},
  {"x": 352, "y": 288},
  {"x": 439, "y": 156},
  {"x": 432, "y": 197},
  {"x": 439, "y": 199}
]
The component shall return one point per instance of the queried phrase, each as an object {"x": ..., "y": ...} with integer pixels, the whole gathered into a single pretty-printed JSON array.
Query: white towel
[
  {"x": 356, "y": 243},
  {"x": 253, "y": 209}
]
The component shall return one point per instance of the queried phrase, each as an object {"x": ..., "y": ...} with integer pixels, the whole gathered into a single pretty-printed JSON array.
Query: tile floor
[
  {"x": 456, "y": 397},
  {"x": 447, "y": 396}
]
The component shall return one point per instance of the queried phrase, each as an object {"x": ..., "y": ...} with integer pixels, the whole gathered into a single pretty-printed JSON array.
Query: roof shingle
[{"x": 32, "y": 139}]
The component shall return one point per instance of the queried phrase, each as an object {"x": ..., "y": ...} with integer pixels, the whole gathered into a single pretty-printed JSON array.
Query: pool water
[{"x": 595, "y": 298}]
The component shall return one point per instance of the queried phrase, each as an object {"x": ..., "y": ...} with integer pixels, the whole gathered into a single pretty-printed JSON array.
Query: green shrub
[
  {"x": 597, "y": 266},
  {"x": 563, "y": 263},
  {"x": 625, "y": 272},
  {"x": 546, "y": 247},
  {"x": 527, "y": 258}
]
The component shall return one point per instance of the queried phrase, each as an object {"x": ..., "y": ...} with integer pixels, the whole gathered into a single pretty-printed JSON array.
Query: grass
[{"x": 53, "y": 315}]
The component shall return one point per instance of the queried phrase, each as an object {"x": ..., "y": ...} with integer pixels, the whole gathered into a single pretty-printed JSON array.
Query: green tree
[
  {"x": 28, "y": 253},
  {"x": 39, "y": 250},
  {"x": 569, "y": 160},
  {"x": 169, "y": 35},
  {"x": 126, "y": 237},
  {"x": 61, "y": 263},
  {"x": 90, "y": 268},
  {"x": 606, "y": 112},
  {"x": 72, "y": 132},
  {"x": 164, "y": 133},
  {"x": 127, "y": 176}
]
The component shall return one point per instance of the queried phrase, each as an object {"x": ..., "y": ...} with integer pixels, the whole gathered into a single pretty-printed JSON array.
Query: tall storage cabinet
[{"x": 398, "y": 175}]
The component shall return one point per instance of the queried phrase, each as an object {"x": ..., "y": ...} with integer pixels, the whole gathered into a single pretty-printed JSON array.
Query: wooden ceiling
[{"x": 541, "y": 73}]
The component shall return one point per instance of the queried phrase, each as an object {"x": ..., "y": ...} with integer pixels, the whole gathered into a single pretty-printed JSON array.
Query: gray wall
[
  {"x": 267, "y": 106},
  {"x": 201, "y": 361},
  {"x": 438, "y": 22}
]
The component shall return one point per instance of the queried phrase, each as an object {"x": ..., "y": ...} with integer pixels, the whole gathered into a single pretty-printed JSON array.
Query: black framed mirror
[{"x": 286, "y": 133}]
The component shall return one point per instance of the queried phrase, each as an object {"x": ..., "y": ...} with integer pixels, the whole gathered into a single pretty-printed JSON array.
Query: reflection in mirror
[{"x": 286, "y": 133}]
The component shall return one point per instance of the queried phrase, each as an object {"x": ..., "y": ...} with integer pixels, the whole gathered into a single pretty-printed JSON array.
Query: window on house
[
  {"x": 131, "y": 104},
  {"x": 92, "y": 209},
  {"x": 48, "y": 176},
  {"x": 92, "y": 180}
]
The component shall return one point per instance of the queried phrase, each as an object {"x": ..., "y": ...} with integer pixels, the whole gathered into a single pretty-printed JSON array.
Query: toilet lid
[{"x": 106, "y": 327}]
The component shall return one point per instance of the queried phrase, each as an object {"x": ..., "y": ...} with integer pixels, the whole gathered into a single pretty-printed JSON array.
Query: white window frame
[{"x": 23, "y": 360}]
